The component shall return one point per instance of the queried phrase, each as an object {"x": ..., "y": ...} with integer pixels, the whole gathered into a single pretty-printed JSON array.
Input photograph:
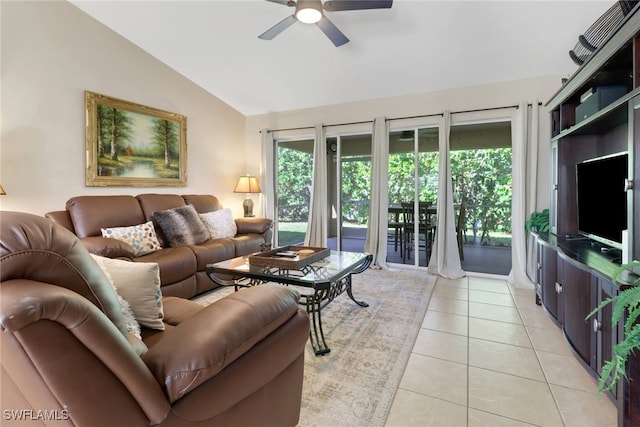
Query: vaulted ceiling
[{"x": 416, "y": 46}]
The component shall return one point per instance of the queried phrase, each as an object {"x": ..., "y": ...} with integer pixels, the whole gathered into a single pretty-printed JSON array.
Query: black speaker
[{"x": 596, "y": 99}]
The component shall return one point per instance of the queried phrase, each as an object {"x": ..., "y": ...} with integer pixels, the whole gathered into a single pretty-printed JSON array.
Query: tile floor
[{"x": 487, "y": 355}]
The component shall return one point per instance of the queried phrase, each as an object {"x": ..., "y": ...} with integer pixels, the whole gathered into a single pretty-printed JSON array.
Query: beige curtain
[
  {"x": 445, "y": 259},
  {"x": 318, "y": 218},
  {"x": 524, "y": 141},
  {"x": 376, "y": 238},
  {"x": 267, "y": 175}
]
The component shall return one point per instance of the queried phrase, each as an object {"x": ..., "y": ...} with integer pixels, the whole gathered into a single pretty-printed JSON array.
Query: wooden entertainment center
[{"x": 574, "y": 274}]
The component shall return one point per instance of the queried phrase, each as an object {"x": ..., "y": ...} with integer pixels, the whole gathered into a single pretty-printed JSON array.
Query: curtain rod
[
  {"x": 324, "y": 126},
  {"x": 399, "y": 118},
  {"x": 459, "y": 112}
]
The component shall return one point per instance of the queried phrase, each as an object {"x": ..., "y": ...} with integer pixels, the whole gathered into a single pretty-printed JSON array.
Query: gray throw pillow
[{"x": 181, "y": 226}]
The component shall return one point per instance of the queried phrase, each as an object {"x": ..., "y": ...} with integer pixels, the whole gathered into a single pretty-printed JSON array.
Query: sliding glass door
[
  {"x": 349, "y": 190},
  {"x": 481, "y": 169},
  {"x": 413, "y": 189},
  {"x": 480, "y": 158}
]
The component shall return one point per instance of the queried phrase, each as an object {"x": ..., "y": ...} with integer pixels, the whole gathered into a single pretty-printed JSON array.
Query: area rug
[{"x": 354, "y": 384}]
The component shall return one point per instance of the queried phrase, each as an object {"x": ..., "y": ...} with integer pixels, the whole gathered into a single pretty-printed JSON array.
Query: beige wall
[
  {"x": 462, "y": 99},
  {"x": 51, "y": 53}
]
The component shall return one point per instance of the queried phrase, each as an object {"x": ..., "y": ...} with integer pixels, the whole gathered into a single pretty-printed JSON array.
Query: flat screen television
[{"x": 602, "y": 199}]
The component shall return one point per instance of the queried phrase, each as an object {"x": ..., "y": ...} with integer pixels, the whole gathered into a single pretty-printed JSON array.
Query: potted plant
[
  {"x": 538, "y": 221},
  {"x": 626, "y": 302}
]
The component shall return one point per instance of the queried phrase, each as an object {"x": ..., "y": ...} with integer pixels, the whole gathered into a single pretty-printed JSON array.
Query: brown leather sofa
[
  {"x": 68, "y": 360},
  {"x": 182, "y": 269}
]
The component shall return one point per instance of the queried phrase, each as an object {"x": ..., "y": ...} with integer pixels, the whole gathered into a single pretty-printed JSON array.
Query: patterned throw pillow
[
  {"x": 139, "y": 285},
  {"x": 142, "y": 238},
  {"x": 220, "y": 223},
  {"x": 181, "y": 226}
]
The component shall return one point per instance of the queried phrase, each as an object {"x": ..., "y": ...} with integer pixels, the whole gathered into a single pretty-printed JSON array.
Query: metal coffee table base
[{"x": 323, "y": 294}]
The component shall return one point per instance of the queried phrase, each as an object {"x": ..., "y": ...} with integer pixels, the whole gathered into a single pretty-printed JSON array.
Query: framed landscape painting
[{"x": 130, "y": 144}]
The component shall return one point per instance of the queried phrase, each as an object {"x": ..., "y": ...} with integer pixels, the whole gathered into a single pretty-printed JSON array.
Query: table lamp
[{"x": 247, "y": 184}]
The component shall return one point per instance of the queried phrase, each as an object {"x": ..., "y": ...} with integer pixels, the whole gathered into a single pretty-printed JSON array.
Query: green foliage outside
[
  {"x": 482, "y": 178},
  {"x": 294, "y": 178}
]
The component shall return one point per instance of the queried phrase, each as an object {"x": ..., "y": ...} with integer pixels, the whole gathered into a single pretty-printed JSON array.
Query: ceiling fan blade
[
  {"x": 338, "y": 5},
  {"x": 289, "y": 3},
  {"x": 331, "y": 31},
  {"x": 278, "y": 28}
]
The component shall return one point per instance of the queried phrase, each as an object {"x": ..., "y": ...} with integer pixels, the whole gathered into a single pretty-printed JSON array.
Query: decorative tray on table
[{"x": 289, "y": 257}]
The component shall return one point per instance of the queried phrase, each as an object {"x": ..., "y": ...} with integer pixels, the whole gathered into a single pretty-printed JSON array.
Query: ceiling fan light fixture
[{"x": 309, "y": 12}]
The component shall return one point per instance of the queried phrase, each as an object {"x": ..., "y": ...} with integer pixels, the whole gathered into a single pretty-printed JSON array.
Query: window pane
[{"x": 294, "y": 176}]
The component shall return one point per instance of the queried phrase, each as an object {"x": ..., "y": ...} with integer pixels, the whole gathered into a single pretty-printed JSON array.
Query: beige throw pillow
[
  {"x": 139, "y": 285},
  {"x": 220, "y": 223},
  {"x": 130, "y": 319}
]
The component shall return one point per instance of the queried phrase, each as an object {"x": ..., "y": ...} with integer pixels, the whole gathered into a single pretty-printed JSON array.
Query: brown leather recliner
[{"x": 67, "y": 359}]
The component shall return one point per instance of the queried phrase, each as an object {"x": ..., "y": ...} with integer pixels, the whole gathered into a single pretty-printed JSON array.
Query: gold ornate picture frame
[{"x": 129, "y": 144}]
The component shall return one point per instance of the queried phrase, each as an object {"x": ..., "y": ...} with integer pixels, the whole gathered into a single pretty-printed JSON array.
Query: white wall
[
  {"x": 51, "y": 53},
  {"x": 462, "y": 99}
]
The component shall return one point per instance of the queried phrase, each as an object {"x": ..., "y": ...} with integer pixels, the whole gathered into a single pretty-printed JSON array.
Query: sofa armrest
[
  {"x": 253, "y": 225},
  {"x": 62, "y": 218},
  {"x": 110, "y": 248},
  {"x": 203, "y": 345}
]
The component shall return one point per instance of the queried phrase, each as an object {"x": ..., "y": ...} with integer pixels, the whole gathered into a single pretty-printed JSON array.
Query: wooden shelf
[{"x": 604, "y": 120}]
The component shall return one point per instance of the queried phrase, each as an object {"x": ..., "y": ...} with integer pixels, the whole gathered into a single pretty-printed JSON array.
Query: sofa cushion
[
  {"x": 213, "y": 251},
  {"x": 139, "y": 285},
  {"x": 181, "y": 226},
  {"x": 142, "y": 237},
  {"x": 203, "y": 202},
  {"x": 151, "y": 202},
  {"x": 176, "y": 264},
  {"x": 220, "y": 223},
  {"x": 177, "y": 310},
  {"x": 90, "y": 214}
]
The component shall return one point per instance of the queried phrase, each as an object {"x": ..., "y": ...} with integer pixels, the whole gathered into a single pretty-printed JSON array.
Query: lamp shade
[
  {"x": 2, "y": 192},
  {"x": 247, "y": 184}
]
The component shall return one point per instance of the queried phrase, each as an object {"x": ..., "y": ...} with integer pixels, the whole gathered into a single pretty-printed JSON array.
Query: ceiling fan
[{"x": 311, "y": 12}]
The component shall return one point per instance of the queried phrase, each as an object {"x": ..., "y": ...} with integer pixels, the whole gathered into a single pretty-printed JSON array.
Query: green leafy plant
[
  {"x": 627, "y": 301},
  {"x": 538, "y": 221}
]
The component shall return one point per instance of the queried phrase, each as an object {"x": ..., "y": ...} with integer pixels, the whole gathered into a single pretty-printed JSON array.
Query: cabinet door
[
  {"x": 579, "y": 290},
  {"x": 548, "y": 281},
  {"x": 634, "y": 195},
  {"x": 606, "y": 333},
  {"x": 537, "y": 262}
]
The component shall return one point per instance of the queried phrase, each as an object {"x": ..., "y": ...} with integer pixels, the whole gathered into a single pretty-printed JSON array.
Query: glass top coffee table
[{"x": 326, "y": 279}]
